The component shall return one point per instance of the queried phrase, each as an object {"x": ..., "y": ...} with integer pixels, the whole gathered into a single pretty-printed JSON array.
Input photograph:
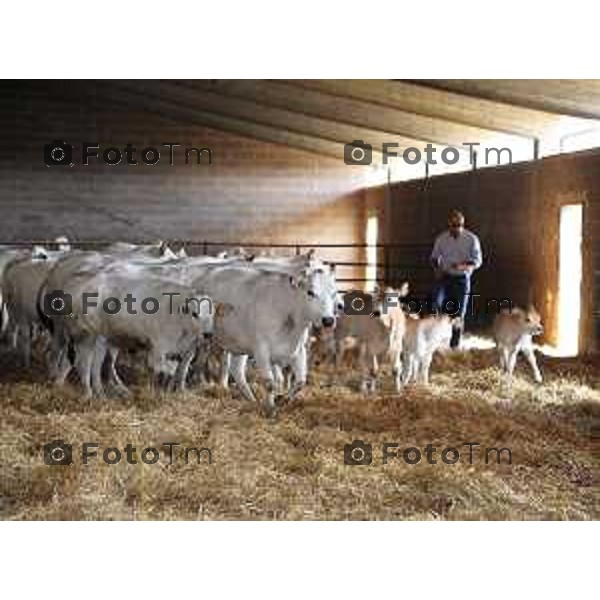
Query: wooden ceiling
[{"x": 320, "y": 116}]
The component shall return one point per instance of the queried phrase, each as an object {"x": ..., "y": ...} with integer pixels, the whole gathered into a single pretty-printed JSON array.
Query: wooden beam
[
  {"x": 234, "y": 105},
  {"x": 422, "y": 101},
  {"x": 350, "y": 112},
  {"x": 262, "y": 109},
  {"x": 174, "y": 111},
  {"x": 574, "y": 97}
]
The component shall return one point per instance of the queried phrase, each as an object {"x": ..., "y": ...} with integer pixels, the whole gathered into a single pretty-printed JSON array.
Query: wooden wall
[
  {"x": 253, "y": 192},
  {"x": 515, "y": 211}
]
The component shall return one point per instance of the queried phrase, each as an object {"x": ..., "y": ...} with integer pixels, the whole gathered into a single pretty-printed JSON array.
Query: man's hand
[{"x": 464, "y": 267}]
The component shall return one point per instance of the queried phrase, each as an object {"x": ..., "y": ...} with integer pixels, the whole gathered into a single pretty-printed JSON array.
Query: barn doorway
[{"x": 569, "y": 278}]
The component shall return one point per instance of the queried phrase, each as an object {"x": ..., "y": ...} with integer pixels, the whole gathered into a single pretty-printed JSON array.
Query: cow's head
[
  {"x": 385, "y": 300},
  {"x": 533, "y": 321},
  {"x": 199, "y": 312},
  {"x": 319, "y": 289},
  {"x": 63, "y": 244}
]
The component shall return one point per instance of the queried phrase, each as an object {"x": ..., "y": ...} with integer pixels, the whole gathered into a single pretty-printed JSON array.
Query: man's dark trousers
[{"x": 452, "y": 297}]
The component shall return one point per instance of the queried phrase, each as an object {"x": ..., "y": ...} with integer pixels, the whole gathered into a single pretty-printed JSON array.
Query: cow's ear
[
  {"x": 404, "y": 289},
  {"x": 311, "y": 254},
  {"x": 294, "y": 281},
  {"x": 223, "y": 309},
  {"x": 250, "y": 257}
]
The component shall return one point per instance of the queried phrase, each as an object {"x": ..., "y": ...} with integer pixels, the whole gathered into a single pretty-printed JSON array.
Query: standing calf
[
  {"x": 422, "y": 339},
  {"x": 513, "y": 331}
]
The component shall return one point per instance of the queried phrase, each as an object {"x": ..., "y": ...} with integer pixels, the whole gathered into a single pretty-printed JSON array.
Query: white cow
[
  {"x": 8, "y": 254},
  {"x": 166, "y": 335},
  {"x": 22, "y": 279},
  {"x": 268, "y": 317},
  {"x": 197, "y": 267}
]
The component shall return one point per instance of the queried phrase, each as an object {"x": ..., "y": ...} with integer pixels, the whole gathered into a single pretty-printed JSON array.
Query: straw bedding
[{"x": 292, "y": 467}]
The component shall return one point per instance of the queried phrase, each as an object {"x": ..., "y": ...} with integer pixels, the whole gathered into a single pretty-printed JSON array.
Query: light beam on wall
[
  {"x": 371, "y": 238},
  {"x": 569, "y": 281}
]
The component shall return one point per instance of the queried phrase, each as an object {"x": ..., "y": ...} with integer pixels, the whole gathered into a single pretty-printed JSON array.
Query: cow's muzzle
[
  {"x": 328, "y": 321},
  {"x": 207, "y": 335}
]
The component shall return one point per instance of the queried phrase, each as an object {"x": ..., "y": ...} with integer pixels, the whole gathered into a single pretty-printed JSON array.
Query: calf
[
  {"x": 376, "y": 336},
  {"x": 422, "y": 339},
  {"x": 513, "y": 331}
]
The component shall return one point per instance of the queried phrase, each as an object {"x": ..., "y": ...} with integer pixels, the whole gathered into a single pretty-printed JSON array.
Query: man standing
[{"x": 456, "y": 254}]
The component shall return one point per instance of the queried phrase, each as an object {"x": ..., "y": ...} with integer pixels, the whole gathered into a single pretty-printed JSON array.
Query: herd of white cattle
[{"x": 275, "y": 313}]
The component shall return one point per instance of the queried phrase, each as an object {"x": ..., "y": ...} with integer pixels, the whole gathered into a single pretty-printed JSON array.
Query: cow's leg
[
  {"x": 373, "y": 372},
  {"x": 227, "y": 366},
  {"x": 503, "y": 357},
  {"x": 14, "y": 337},
  {"x": 85, "y": 350},
  {"x": 183, "y": 368},
  {"x": 363, "y": 367},
  {"x": 200, "y": 365},
  {"x": 238, "y": 372},
  {"x": 159, "y": 368},
  {"x": 265, "y": 371},
  {"x": 5, "y": 318},
  {"x": 278, "y": 380},
  {"x": 97, "y": 362},
  {"x": 397, "y": 370},
  {"x": 116, "y": 383},
  {"x": 511, "y": 362},
  {"x": 416, "y": 369},
  {"x": 408, "y": 367},
  {"x": 62, "y": 366},
  {"x": 54, "y": 354},
  {"x": 425, "y": 365},
  {"x": 530, "y": 356},
  {"x": 24, "y": 343},
  {"x": 27, "y": 341},
  {"x": 299, "y": 366}
]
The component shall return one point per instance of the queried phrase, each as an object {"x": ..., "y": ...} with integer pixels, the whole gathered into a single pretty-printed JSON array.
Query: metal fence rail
[{"x": 386, "y": 269}]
